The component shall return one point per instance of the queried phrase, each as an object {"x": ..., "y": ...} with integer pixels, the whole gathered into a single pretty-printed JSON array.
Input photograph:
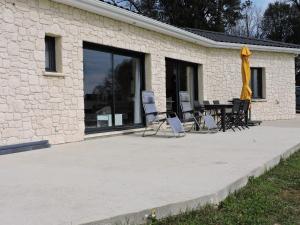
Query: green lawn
[{"x": 273, "y": 198}]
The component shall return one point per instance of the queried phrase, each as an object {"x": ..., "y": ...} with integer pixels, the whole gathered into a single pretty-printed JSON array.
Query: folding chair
[
  {"x": 188, "y": 113},
  {"x": 244, "y": 114},
  {"x": 154, "y": 117},
  {"x": 233, "y": 118}
]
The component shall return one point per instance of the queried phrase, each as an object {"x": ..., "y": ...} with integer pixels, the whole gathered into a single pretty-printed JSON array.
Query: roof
[
  {"x": 222, "y": 37},
  {"x": 204, "y": 38}
]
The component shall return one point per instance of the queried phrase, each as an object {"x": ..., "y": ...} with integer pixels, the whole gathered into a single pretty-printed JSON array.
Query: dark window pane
[
  {"x": 127, "y": 90},
  {"x": 50, "y": 64},
  {"x": 171, "y": 87},
  {"x": 112, "y": 88},
  {"x": 98, "y": 97},
  {"x": 183, "y": 77},
  {"x": 180, "y": 76},
  {"x": 256, "y": 83}
]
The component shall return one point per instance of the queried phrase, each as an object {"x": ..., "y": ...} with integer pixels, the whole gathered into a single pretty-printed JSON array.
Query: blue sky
[{"x": 262, "y": 3}]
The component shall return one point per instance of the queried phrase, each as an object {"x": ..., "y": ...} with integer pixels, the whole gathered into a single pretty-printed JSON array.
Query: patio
[{"x": 103, "y": 178}]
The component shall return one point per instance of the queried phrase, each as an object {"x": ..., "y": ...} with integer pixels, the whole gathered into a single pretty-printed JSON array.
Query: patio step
[{"x": 15, "y": 148}]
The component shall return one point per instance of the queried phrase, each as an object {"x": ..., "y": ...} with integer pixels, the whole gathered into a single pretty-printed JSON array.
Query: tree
[
  {"x": 278, "y": 22},
  {"x": 202, "y": 14},
  {"x": 149, "y": 8},
  {"x": 296, "y": 3},
  {"x": 282, "y": 23},
  {"x": 249, "y": 24}
]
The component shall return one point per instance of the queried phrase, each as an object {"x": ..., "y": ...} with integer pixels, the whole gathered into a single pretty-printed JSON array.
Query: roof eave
[{"x": 104, "y": 9}]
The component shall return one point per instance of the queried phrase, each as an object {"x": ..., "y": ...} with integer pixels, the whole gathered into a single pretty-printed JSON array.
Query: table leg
[
  {"x": 223, "y": 119},
  {"x": 246, "y": 118}
]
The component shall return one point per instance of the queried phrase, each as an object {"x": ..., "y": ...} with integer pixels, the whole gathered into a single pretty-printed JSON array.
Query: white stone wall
[
  {"x": 223, "y": 81},
  {"x": 36, "y": 107}
]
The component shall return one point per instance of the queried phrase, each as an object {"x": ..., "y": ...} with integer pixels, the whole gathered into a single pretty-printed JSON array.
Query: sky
[{"x": 263, "y": 3}]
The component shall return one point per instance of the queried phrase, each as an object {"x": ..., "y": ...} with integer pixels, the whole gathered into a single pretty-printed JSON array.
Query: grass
[{"x": 271, "y": 199}]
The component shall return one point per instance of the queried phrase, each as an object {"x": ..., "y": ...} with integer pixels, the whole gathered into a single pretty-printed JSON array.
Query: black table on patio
[{"x": 222, "y": 108}]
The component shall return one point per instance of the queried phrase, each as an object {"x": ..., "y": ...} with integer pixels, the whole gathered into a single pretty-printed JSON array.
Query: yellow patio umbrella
[{"x": 246, "y": 74}]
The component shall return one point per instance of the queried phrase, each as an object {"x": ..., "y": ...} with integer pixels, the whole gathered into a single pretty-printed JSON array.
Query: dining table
[{"x": 222, "y": 109}]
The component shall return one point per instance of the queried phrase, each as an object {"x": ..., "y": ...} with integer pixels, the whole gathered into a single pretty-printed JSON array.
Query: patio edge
[{"x": 179, "y": 207}]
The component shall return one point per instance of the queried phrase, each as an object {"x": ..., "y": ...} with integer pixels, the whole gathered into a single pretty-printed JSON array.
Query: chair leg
[
  {"x": 156, "y": 131},
  {"x": 144, "y": 133},
  {"x": 197, "y": 123},
  {"x": 159, "y": 127}
]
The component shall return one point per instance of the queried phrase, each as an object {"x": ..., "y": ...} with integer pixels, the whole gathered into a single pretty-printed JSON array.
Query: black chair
[
  {"x": 244, "y": 114},
  {"x": 217, "y": 113},
  {"x": 207, "y": 112},
  {"x": 232, "y": 119},
  {"x": 199, "y": 107},
  {"x": 206, "y": 102}
]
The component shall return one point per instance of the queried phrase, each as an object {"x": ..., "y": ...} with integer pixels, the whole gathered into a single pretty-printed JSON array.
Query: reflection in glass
[
  {"x": 171, "y": 81},
  {"x": 256, "y": 82},
  {"x": 97, "y": 88},
  {"x": 112, "y": 87},
  {"x": 127, "y": 90},
  {"x": 180, "y": 76}
]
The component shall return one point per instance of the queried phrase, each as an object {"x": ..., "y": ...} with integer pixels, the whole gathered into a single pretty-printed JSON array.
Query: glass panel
[
  {"x": 187, "y": 81},
  {"x": 171, "y": 85},
  {"x": 47, "y": 59},
  {"x": 50, "y": 54},
  {"x": 256, "y": 82},
  {"x": 127, "y": 90},
  {"x": 183, "y": 79},
  {"x": 180, "y": 76},
  {"x": 259, "y": 83},
  {"x": 97, "y": 89}
]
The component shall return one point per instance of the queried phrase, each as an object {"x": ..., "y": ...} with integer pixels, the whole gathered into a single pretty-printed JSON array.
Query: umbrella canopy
[{"x": 246, "y": 74}]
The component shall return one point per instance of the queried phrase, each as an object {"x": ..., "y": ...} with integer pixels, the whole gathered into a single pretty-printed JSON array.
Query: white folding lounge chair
[
  {"x": 189, "y": 115},
  {"x": 210, "y": 123},
  {"x": 154, "y": 117}
]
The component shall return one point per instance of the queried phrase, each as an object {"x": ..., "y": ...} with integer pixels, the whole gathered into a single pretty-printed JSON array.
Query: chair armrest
[
  {"x": 158, "y": 113},
  {"x": 198, "y": 113},
  {"x": 152, "y": 113},
  {"x": 189, "y": 111},
  {"x": 161, "y": 113}
]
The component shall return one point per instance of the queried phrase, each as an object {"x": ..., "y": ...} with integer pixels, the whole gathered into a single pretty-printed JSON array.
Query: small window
[
  {"x": 257, "y": 83},
  {"x": 50, "y": 60}
]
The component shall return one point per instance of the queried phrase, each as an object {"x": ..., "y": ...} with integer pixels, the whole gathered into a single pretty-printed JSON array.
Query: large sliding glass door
[
  {"x": 180, "y": 76},
  {"x": 112, "y": 88}
]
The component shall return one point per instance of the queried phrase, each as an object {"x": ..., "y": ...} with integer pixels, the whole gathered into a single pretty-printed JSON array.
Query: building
[{"x": 73, "y": 67}]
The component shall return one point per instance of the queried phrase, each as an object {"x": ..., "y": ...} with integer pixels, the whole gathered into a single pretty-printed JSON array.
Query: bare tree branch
[{"x": 297, "y": 3}]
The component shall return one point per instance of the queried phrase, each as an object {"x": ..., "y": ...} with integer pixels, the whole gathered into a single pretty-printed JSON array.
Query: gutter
[{"x": 113, "y": 12}]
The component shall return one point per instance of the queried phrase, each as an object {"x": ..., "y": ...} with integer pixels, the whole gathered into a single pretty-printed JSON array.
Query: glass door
[
  {"x": 180, "y": 76},
  {"x": 127, "y": 86},
  {"x": 112, "y": 89},
  {"x": 98, "y": 91}
]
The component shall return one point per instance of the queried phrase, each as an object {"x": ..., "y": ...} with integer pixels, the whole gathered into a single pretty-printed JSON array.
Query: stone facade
[{"x": 38, "y": 107}]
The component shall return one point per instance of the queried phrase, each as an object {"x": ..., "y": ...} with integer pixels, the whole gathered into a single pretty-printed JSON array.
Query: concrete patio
[{"x": 127, "y": 176}]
